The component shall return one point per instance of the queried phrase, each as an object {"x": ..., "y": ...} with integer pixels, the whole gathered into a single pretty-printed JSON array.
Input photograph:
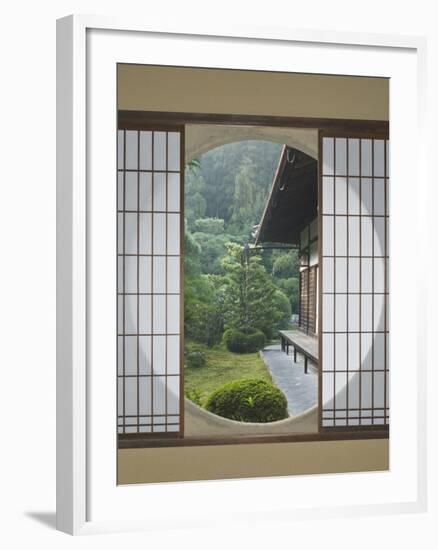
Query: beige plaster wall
[
  {"x": 251, "y": 460},
  {"x": 200, "y": 138},
  {"x": 149, "y": 88},
  {"x": 247, "y": 92}
]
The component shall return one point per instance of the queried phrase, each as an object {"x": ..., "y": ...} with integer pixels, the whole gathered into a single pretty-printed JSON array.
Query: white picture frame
[{"x": 88, "y": 499}]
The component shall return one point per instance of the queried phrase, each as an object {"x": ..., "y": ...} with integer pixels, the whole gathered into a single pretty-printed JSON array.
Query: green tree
[
  {"x": 283, "y": 305},
  {"x": 213, "y": 248},
  {"x": 285, "y": 264},
  {"x": 248, "y": 292},
  {"x": 212, "y": 226},
  {"x": 195, "y": 202},
  {"x": 291, "y": 288}
]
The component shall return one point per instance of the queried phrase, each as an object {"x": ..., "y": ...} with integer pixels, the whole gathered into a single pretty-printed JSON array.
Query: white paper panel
[
  {"x": 130, "y": 274},
  {"x": 328, "y": 156},
  {"x": 341, "y": 156},
  {"x": 120, "y": 354},
  {"x": 173, "y": 234},
  {"x": 130, "y": 354},
  {"x": 131, "y": 190},
  {"x": 130, "y": 396},
  {"x": 341, "y": 352},
  {"x": 160, "y": 191},
  {"x": 366, "y": 389},
  {"x": 327, "y": 312},
  {"x": 379, "y": 275},
  {"x": 328, "y": 236},
  {"x": 354, "y": 236},
  {"x": 328, "y": 195},
  {"x": 341, "y": 274},
  {"x": 145, "y": 274},
  {"x": 354, "y": 274},
  {"x": 379, "y": 197},
  {"x": 130, "y": 233},
  {"x": 120, "y": 271},
  {"x": 367, "y": 236},
  {"x": 379, "y": 158},
  {"x": 173, "y": 274},
  {"x": 353, "y": 157},
  {"x": 160, "y": 151},
  {"x": 367, "y": 274},
  {"x": 130, "y": 314},
  {"x": 328, "y": 351},
  {"x": 366, "y": 190},
  {"x": 379, "y": 312},
  {"x": 173, "y": 355},
  {"x": 159, "y": 355},
  {"x": 173, "y": 394},
  {"x": 353, "y": 196},
  {"x": 353, "y": 391},
  {"x": 120, "y": 190},
  {"x": 120, "y": 398},
  {"x": 366, "y": 158},
  {"x": 159, "y": 388},
  {"x": 379, "y": 237},
  {"x": 366, "y": 349},
  {"x": 341, "y": 235},
  {"x": 159, "y": 234},
  {"x": 341, "y": 313},
  {"x": 353, "y": 351},
  {"x": 366, "y": 312},
  {"x": 328, "y": 277},
  {"x": 173, "y": 192},
  {"x": 341, "y": 196},
  {"x": 173, "y": 305},
  {"x": 145, "y": 150},
  {"x": 145, "y": 234},
  {"x": 328, "y": 389},
  {"x": 145, "y": 392},
  {"x": 341, "y": 401},
  {"x": 145, "y": 191},
  {"x": 120, "y": 314},
  {"x": 173, "y": 151},
  {"x": 120, "y": 150},
  {"x": 159, "y": 274},
  {"x": 159, "y": 314},
  {"x": 131, "y": 159},
  {"x": 353, "y": 312},
  {"x": 379, "y": 351},
  {"x": 145, "y": 315},
  {"x": 145, "y": 354}
]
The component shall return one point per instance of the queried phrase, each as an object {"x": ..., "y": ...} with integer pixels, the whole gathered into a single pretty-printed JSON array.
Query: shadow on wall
[{"x": 201, "y": 423}]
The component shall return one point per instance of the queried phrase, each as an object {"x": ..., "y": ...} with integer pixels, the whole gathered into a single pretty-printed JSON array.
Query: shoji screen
[
  {"x": 354, "y": 321},
  {"x": 150, "y": 232}
]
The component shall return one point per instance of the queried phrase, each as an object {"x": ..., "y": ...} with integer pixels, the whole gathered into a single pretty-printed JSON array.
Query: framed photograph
[{"x": 234, "y": 211}]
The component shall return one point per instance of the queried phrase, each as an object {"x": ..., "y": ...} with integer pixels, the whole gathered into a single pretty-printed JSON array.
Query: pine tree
[{"x": 248, "y": 292}]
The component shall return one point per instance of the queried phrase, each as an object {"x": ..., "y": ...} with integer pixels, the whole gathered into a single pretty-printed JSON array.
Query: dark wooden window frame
[{"x": 153, "y": 120}]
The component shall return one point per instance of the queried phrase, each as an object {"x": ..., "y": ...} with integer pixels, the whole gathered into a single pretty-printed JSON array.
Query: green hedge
[
  {"x": 244, "y": 342},
  {"x": 248, "y": 400}
]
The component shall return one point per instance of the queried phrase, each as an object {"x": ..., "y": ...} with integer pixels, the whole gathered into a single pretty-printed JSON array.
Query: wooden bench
[{"x": 301, "y": 342}]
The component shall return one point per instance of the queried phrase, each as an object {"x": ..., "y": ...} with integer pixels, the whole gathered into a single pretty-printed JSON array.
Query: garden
[{"x": 237, "y": 295}]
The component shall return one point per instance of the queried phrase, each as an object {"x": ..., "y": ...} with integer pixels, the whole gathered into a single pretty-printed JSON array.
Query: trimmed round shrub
[
  {"x": 249, "y": 400},
  {"x": 196, "y": 360},
  {"x": 244, "y": 342}
]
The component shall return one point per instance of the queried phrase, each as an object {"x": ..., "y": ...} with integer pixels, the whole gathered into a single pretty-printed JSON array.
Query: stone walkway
[{"x": 301, "y": 390}]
